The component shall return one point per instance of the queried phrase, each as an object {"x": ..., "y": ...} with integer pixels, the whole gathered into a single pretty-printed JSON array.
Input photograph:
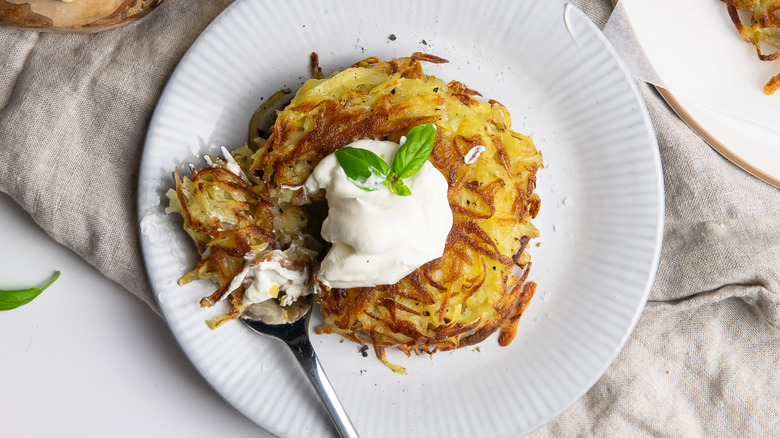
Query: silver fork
[{"x": 296, "y": 336}]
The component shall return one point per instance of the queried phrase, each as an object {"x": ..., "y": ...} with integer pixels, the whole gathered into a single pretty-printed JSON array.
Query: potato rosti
[
  {"x": 764, "y": 27},
  {"x": 456, "y": 300}
]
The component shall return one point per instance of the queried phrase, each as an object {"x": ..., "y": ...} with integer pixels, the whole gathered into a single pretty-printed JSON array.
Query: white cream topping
[
  {"x": 379, "y": 237},
  {"x": 268, "y": 279},
  {"x": 159, "y": 231},
  {"x": 474, "y": 153},
  {"x": 233, "y": 166}
]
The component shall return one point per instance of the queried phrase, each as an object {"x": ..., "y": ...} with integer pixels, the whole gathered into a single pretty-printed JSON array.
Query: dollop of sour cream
[
  {"x": 268, "y": 279},
  {"x": 379, "y": 237}
]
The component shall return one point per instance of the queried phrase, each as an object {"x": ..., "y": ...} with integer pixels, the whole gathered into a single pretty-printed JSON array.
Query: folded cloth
[
  {"x": 704, "y": 359},
  {"x": 73, "y": 116}
]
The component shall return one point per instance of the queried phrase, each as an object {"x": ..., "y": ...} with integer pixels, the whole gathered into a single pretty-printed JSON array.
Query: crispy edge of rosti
[{"x": 766, "y": 18}]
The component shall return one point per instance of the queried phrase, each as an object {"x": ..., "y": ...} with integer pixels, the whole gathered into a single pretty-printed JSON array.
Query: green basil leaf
[
  {"x": 361, "y": 165},
  {"x": 399, "y": 188},
  {"x": 11, "y": 299},
  {"x": 413, "y": 154}
]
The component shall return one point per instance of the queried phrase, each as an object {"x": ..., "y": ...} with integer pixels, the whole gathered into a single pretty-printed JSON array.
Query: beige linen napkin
[{"x": 704, "y": 359}]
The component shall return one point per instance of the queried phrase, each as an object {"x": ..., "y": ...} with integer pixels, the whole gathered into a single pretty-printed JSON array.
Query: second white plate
[{"x": 753, "y": 147}]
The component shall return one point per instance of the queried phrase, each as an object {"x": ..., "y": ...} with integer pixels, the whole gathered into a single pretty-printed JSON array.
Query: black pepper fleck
[
  {"x": 392, "y": 37},
  {"x": 426, "y": 313}
]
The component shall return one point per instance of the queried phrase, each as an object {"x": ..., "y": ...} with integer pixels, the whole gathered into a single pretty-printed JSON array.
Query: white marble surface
[{"x": 88, "y": 359}]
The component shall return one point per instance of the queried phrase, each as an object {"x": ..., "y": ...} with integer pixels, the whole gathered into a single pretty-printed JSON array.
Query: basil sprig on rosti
[{"x": 369, "y": 171}]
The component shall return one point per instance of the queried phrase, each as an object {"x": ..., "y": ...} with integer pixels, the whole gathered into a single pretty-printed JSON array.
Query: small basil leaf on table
[{"x": 11, "y": 299}]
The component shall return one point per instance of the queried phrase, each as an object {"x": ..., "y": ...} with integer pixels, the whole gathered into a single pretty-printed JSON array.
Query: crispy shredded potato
[
  {"x": 462, "y": 297},
  {"x": 453, "y": 301},
  {"x": 764, "y": 28},
  {"x": 234, "y": 223}
]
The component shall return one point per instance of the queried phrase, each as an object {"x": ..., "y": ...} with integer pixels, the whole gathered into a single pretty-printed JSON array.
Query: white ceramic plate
[
  {"x": 601, "y": 218},
  {"x": 753, "y": 147}
]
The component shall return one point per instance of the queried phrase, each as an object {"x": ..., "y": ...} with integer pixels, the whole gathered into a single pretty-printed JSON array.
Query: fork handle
[{"x": 304, "y": 352}]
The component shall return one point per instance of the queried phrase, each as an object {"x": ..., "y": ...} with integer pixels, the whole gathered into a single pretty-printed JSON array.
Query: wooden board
[{"x": 79, "y": 16}]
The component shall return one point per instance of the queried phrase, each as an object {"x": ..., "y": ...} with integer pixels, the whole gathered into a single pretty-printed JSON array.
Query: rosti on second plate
[
  {"x": 249, "y": 207},
  {"x": 764, "y": 28}
]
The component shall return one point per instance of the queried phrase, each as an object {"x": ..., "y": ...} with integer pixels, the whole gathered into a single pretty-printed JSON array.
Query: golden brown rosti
[
  {"x": 764, "y": 28},
  {"x": 450, "y": 302}
]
